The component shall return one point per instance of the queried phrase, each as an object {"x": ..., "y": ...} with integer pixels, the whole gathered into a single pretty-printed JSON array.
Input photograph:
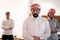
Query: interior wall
[{"x": 46, "y": 5}]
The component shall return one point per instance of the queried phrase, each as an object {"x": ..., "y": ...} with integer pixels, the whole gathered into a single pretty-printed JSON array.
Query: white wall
[
  {"x": 18, "y": 10},
  {"x": 47, "y": 4}
]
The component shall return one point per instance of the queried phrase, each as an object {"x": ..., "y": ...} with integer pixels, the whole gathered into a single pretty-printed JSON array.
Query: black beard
[
  {"x": 35, "y": 15},
  {"x": 51, "y": 18}
]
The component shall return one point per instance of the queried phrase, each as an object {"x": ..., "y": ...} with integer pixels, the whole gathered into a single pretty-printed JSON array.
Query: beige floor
[{"x": 14, "y": 39}]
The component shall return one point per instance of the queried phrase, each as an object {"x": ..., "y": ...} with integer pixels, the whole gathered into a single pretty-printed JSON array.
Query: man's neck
[{"x": 8, "y": 18}]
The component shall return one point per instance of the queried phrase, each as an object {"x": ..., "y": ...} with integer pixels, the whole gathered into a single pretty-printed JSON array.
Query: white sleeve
[
  {"x": 47, "y": 32},
  {"x": 25, "y": 34},
  {"x": 12, "y": 24},
  {"x": 3, "y": 24}
]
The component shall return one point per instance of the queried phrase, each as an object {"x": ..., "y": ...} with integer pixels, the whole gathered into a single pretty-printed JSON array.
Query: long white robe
[{"x": 36, "y": 27}]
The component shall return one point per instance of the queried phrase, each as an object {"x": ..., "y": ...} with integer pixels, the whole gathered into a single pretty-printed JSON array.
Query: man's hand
[{"x": 36, "y": 38}]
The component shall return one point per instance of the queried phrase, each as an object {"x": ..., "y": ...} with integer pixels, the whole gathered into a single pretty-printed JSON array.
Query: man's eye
[{"x": 33, "y": 10}]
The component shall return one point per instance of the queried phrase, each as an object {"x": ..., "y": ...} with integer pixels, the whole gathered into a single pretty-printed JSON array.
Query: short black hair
[{"x": 7, "y": 13}]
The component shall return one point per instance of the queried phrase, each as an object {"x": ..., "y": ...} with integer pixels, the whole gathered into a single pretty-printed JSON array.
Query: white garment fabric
[
  {"x": 36, "y": 27},
  {"x": 6, "y": 24}
]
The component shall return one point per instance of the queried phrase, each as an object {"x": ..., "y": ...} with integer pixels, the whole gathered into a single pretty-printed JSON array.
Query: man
[
  {"x": 35, "y": 27},
  {"x": 53, "y": 24},
  {"x": 7, "y": 26}
]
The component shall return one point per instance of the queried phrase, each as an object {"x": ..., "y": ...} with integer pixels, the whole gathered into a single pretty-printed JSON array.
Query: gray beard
[{"x": 51, "y": 18}]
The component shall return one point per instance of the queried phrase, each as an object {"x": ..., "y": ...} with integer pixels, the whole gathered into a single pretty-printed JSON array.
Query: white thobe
[
  {"x": 36, "y": 27},
  {"x": 6, "y": 24}
]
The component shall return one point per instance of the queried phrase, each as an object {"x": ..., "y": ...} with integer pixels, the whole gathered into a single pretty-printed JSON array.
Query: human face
[
  {"x": 51, "y": 14},
  {"x": 7, "y": 15},
  {"x": 35, "y": 12}
]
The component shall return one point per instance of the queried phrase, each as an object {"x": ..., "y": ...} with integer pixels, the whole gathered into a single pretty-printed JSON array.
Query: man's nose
[{"x": 35, "y": 11}]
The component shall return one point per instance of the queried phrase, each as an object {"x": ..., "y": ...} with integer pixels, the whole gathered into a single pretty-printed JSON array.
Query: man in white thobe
[
  {"x": 35, "y": 27},
  {"x": 7, "y": 26}
]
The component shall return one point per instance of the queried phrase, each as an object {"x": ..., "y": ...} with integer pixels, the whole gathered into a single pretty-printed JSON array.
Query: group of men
[{"x": 34, "y": 27}]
